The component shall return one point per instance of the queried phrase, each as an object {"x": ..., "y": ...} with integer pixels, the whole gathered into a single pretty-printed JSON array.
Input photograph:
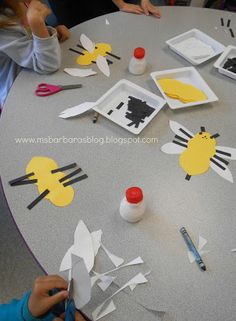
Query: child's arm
[
  {"x": 34, "y": 306},
  {"x": 148, "y": 7},
  {"x": 127, "y": 7}
]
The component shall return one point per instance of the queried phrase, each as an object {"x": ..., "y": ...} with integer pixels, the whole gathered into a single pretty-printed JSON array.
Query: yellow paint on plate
[
  {"x": 176, "y": 89},
  {"x": 42, "y": 167},
  {"x": 88, "y": 57},
  {"x": 195, "y": 160}
]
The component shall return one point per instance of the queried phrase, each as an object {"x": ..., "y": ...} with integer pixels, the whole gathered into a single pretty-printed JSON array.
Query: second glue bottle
[{"x": 138, "y": 64}]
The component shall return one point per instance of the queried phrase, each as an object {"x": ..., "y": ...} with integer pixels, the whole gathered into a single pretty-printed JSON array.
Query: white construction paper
[
  {"x": 226, "y": 173},
  {"x": 194, "y": 48},
  {"x": 87, "y": 43},
  {"x": 107, "y": 22},
  {"x": 106, "y": 281},
  {"x": 77, "y": 72},
  {"x": 233, "y": 250},
  {"x": 138, "y": 279},
  {"x": 84, "y": 245},
  {"x": 133, "y": 286},
  {"x": 81, "y": 282},
  {"x": 116, "y": 260},
  {"x": 229, "y": 150},
  {"x": 66, "y": 261},
  {"x": 110, "y": 308},
  {"x": 175, "y": 127},
  {"x": 97, "y": 276},
  {"x": 172, "y": 148},
  {"x": 103, "y": 65},
  {"x": 97, "y": 239},
  {"x": 77, "y": 110}
]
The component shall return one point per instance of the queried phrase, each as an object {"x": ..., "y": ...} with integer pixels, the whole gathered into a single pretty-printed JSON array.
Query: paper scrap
[
  {"x": 133, "y": 286},
  {"x": 41, "y": 167},
  {"x": 110, "y": 308},
  {"x": 201, "y": 243},
  {"x": 97, "y": 239},
  {"x": 103, "y": 65},
  {"x": 179, "y": 90},
  {"x": 106, "y": 281},
  {"x": 77, "y": 110},
  {"x": 233, "y": 250},
  {"x": 97, "y": 276},
  {"x": 107, "y": 22},
  {"x": 138, "y": 279},
  {"x": 116, "y": 260},
  {"x": 81, "y": 282},
  {"x": 77, "y": 72}
]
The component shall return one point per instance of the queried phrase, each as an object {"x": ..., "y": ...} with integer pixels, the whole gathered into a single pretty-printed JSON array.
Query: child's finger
[
  {"x": 145, "y": 9},
  {"x": 53, "y": 281},
  {"x": 56, "y": 298}
]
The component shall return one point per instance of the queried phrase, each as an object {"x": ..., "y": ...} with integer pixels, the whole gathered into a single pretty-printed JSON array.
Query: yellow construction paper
[
  {"x": 195, "y": 160},
  {"x": 88, "y": 57},
  {"x": 176, "y": 89},
  {"x": 42, "y": 167}
]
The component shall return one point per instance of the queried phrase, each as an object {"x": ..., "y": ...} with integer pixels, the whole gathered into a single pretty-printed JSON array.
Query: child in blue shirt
[
  {"x": 26, "y": 41},
  {"x": 36, "y": 305}
]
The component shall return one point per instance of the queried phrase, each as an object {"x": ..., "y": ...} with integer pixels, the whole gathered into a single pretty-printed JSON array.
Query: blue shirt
[
  {"x": 17, "y": 310},
  {"x": 18, "y": 48}
]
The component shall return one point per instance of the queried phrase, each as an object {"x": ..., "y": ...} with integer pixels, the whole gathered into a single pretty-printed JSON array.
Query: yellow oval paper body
[
  {"x": 42, "y": 167},
  {"x": 178, "y": 90},
  {"x": 88, "y": 57},
  {"x": 195, "y": 160}
]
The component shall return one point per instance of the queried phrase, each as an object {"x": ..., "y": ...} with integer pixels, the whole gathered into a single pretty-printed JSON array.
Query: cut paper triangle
[
  {"x": 201, "y": 243},
  {"x": 110, "y": 308},
  {"x": 107, "y": 22},
  {"x": 116, "y": 260},
  {"x": 77, "y": 110},
  {"x": 106, "y": 281}
]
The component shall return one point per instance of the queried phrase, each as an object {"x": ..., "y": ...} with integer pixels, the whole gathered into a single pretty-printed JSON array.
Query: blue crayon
[{"x": 192, "y": 248}]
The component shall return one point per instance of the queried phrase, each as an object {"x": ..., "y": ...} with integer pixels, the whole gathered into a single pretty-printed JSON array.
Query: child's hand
[
  {"x": 37, "y": 11},
  {"x": 40, "y": 302},
  {"x": 150, "y": 8},
  {"x": 131, "y": 8},
  {"x": 63, "y": 33}
]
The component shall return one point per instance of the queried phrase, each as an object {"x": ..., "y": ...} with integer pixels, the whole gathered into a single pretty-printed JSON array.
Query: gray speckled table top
[{"x": 205, "y": 205}]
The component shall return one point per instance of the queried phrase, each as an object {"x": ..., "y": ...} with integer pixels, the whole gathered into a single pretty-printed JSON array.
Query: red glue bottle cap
[
  {"x": 139, "y": 53},
  {"x": 134, "y": 195}
]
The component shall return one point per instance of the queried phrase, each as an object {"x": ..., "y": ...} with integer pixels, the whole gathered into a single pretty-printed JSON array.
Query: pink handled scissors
[{"x": 44, "y": 89}]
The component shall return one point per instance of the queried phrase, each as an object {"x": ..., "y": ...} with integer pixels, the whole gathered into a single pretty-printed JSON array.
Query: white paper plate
[
  {"x": 187, "y": 75},
  {"x": 229, "y": 52},
  {"x": 195, "y": 33},
  {"x": 109, "y": 105}
]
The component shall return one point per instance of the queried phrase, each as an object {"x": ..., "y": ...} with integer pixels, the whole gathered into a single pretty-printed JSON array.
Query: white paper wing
[
  {"x": 103, "y": 65},
  {"x": 77, "y": 72},
  {"x": 180, "y": 130},
  {"x": 83, "y": 245},
  {"x": 201, "y": 243},
  {"x": 226, "y": 173},
  {"x": 225, "y": 151},
  {"x": 171, "y": 148},
  {"x": 77, "y": 110},
  {"x": 87, "y": 43},
  {"x": 97, "y": 239}
]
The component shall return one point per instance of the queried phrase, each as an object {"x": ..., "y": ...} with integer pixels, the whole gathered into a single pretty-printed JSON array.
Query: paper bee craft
[
  {"x": 52, "y": 182},
  {"x": 94, "y": 53},
  {"x": 199, "y": 152}
]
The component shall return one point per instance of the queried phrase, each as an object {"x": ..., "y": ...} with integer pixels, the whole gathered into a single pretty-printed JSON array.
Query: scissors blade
[{"x": 70, "y": 86}]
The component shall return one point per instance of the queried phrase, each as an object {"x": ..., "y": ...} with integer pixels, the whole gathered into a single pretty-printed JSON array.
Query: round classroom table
[{"x": 205, "y": 205}]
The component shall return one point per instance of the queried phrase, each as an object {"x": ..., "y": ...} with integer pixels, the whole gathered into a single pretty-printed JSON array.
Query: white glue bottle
[
  {"x": 132, "y": 207},
  {"x": 138, "y": 64}
]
